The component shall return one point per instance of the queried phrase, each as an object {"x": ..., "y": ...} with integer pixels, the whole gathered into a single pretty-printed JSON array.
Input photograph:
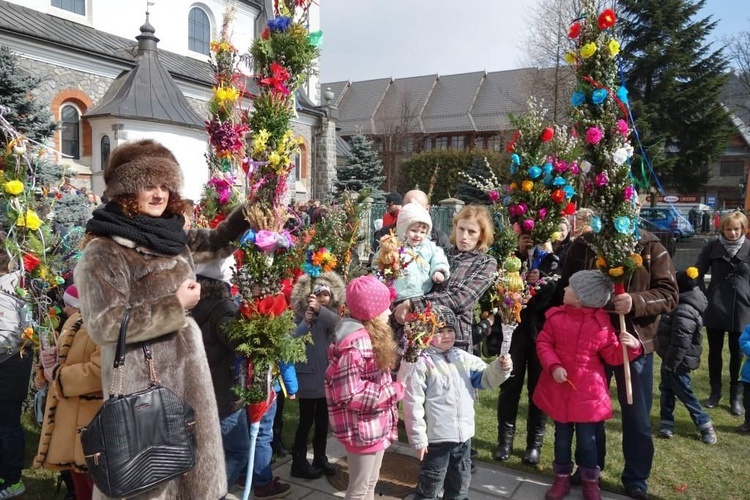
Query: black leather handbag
[{"x": 138, "y": 441}]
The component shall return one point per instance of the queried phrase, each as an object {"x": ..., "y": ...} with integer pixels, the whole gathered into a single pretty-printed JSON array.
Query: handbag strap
[{"x": 119, "y": 361}]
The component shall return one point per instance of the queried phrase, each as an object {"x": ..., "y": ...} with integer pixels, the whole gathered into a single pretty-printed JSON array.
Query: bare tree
[
  {"x": 738, "y": 48},
  {"x": 395, "y": 129}
]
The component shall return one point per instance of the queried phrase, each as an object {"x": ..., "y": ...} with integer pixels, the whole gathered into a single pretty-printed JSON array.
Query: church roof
[{"x": 147, "y": 92}]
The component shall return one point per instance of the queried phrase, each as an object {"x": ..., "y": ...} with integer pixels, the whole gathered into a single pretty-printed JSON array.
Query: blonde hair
[
  {"x": 481, "y": 216},
  {"x": 383, "y": 345},
  {"x": 732, "y": 217}
]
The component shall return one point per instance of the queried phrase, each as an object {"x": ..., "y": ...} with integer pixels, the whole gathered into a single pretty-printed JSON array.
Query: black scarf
[{"x": 161, "y": 234}]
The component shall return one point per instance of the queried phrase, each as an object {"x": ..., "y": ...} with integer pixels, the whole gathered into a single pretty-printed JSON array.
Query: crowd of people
[{"x": 176, "y": 283}]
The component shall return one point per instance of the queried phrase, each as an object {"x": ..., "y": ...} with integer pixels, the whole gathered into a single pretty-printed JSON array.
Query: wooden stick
[{"x": 626, "y": 364}]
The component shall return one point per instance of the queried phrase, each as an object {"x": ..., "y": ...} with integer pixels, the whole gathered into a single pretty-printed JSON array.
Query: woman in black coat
[{"x": 727, "y": 259}]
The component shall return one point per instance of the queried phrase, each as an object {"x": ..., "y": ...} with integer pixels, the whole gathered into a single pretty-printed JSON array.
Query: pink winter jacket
[
  {"x": 580, "y": 340},
  {"x": 362, "y": 399}
]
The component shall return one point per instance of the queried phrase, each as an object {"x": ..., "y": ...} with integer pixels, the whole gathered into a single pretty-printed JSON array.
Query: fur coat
[
  {"x": 113, "y": 274},
  {"x": 74, "y": 397},
  {"x": 306, "y": 284}
]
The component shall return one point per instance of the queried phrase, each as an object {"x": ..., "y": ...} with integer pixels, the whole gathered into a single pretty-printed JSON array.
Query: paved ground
[{"x": 489, "y": 482}]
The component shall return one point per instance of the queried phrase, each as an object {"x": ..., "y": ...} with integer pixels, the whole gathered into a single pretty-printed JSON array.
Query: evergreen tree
[
  {"x": 19, "y": 107},
  {"x": 674, "y": 78},
  {"x": 469, "y": 193},
  {"x": 363, "y": 169}
]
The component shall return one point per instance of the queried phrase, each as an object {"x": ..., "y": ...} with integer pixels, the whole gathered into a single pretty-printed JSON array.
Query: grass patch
[{"x": 684, "y": 468}]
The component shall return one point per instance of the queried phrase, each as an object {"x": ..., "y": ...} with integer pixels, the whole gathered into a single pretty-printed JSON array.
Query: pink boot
[
  {"x": 561, "y": 486},
  {"x": 590, "y": 484}
]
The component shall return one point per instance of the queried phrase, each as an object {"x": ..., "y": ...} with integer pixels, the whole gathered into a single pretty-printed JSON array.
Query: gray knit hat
[
  {"x": 593, "y": 288},
  {"x": 445, "y": 315},
  {"x": 134, "y": 166}
]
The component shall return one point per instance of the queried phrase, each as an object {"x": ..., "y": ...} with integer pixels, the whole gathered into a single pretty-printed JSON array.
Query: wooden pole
[{"x": 626, "y": 364}]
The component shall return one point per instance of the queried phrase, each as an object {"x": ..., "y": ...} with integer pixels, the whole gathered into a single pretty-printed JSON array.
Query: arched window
[
  {"x": 105, "y": 151},
  {"x": 199, "y": 31},
  {"x": 71, "y": 131}
]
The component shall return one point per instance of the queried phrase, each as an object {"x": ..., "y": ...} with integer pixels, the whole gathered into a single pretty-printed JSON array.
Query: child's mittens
[
  {"x": 560, "y": 375},
  {"x": 505, "y": 362}
]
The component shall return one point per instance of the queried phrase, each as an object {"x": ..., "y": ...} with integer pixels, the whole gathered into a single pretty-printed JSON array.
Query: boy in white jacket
[{"x": 439, "y": 409}]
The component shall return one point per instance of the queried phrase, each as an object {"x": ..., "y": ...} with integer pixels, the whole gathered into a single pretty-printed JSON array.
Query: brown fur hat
[{"x": 136, "y": 165}]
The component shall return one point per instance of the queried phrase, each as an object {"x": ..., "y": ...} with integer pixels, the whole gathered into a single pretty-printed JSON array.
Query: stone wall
[
  {"x": 324, "y": 173},
  {"x": 57, "y": 78}
]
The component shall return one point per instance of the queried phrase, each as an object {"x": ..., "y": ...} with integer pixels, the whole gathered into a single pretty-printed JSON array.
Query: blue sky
[{"x": 366, "y": 39}]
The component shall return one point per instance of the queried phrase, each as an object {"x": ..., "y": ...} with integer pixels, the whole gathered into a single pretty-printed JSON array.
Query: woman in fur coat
[{"x": 138, "y": 256}]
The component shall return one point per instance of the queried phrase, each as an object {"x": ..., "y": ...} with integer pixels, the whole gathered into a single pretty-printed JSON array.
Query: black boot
[
  {"x": 713, "y": 399},
  {"x": 322, "y": 463},
  {"x": 301, "y": 467},
  {"x": 735, "y": 399},
  {"x": 534, "y": 449},
  {"x": 278, "y": 448},
  {"x": 505, "y": 442}
]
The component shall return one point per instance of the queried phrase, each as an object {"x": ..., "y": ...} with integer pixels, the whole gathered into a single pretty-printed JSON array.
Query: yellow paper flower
[
  {"x": 260, "y": 140},
  {"x": 527, "y": 185},
  {"x": 588, "y": 50},
  {"x": 614, "y": 48},
  {"x": 274, "y": 159},
  {"x": 637, "y": 259},
  {"x": 226, "y": 94},
  {"x": 14, "y": 187},
  {"x": 692, "y": 272},
  {"x": 513, "y": 186},
  {"x": 616, "y": 271},
  {"x": 555, "y": 236},
  {"x": 569, "y": 58},
  {"x": 31, "y": 221},
  {"x": 600, "y": 262}
]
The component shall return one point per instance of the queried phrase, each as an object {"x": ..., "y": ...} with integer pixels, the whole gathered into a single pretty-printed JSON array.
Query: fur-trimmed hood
[{"x": 305, "y": 285}]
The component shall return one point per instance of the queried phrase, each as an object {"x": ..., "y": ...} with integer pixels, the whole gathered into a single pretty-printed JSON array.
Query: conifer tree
[
  {"x": 674, "y": 78},
  {"x": 469, "y": 193},
  {"x": 20, "y": 107},
  {"x": 363, "y": 169}
]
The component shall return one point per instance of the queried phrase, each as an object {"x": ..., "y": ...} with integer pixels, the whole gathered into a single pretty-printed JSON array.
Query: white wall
[
  {"x": 188, "y": 145},
  {"x": 168, "y": 17}
]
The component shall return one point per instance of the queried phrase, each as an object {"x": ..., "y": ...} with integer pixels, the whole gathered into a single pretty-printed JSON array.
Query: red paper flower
[
  {"x": 512, "y": 144},
  {"x": 30, "y": 262},
  {"x": 606, "y": 19},
  {"x": 558, "y": 195},
  {"x": 273, "y": 305},
  {"x": 278, "y": 78},
  {"x": 266, "y": 33},
  {"x": 547, "y": 134},
  {"x": 570, "y": 209},
  {"x": 574, "y": 30}
]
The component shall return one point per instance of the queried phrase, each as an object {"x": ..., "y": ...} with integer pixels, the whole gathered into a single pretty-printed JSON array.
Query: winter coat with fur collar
[{"x": 113, "y": 274}]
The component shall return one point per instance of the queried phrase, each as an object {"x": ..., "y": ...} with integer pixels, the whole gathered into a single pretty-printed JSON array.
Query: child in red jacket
[{"x": 575, "y": 342}]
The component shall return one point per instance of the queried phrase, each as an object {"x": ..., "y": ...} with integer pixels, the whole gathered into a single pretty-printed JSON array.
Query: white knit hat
[
  {"x": 219, "y": 269},
  {"x": 409, "y": 214}
]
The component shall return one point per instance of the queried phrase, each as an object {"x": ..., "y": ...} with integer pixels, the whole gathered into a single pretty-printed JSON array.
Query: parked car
[
  {"x": 666, "y": 236},
  {"x": 668, "y": 220}
]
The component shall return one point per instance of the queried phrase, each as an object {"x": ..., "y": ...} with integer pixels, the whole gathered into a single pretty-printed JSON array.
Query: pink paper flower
[
  {"x": 493, "y": 196},
  {"x": 575, "y": 169},
  {"x": 516, "y": 228},
  {"x": 594, "y": 135},
  {"x": 628, "y": 193},
  {"x": 622, "y": 127},
  {"x": 561, "y": 166},
  {"x": 542, "y": 212},
  {"x": 527, "y": 225},
  {"x": 601, "y": 180},
  {"x": 588, "y": 187}
]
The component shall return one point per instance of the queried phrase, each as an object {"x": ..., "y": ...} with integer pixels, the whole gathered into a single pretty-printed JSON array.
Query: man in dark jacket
[{"x": 651, "y": 292}]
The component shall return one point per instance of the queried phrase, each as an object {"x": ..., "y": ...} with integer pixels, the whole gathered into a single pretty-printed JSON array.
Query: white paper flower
[
  {"x": 585, "y": 167},
  {"x": 620, "y": 156}
]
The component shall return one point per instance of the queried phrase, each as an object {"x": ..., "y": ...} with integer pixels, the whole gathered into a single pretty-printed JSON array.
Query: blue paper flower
[
  {"x": 577, "y": 99},
  {"x": 535, "y": 172},
  {"x": 569, "y": 191},
  {"x": 506, "y": 201},
  {"x": 310, "y": 270},
  {"x": 248, "y": 238},
  {"x": 623, "y": 225},
  {"x": 548, "y": 180},
  {"x": 559, "y": 181},
  {"x": 512, "y": 169},
  {"x": 599, "y": 96},
  {"x": 515, "y": 159},
  {"x": 280, "y": 24},
  {"x": 622, "y": 94},
  {"x": 547, "y": 168},
  {"x": 596, "y": 224}
]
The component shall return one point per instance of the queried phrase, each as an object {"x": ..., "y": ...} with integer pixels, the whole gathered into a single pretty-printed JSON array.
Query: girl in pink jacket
[
  {"x": 576, "y": 341},
  {"x": 360, "y": 393}
]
